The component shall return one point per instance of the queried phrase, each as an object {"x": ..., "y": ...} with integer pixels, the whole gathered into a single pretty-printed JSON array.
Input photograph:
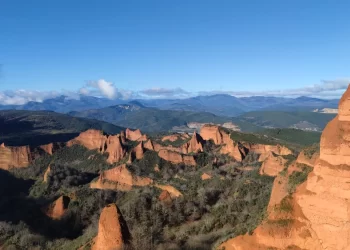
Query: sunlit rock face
[
  {"x": 113, "y": 233},
  {"x": 221, "y": 137},
  {"x": 95, "y": 139},
  {"x": 320, "y": 218},
  {"x": 14, "y": 157}
]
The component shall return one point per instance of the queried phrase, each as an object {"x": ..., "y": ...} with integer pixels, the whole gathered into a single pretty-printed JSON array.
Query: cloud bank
[{"x": 103, "y": 88}]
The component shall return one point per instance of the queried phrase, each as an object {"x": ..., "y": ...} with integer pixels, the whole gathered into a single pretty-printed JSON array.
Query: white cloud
[
  {"x": 328, "y": 88},
  {"x": 107, "y": 89},
  {"x": 103, "y": 88},
  {"x": 20, "y": 97}
]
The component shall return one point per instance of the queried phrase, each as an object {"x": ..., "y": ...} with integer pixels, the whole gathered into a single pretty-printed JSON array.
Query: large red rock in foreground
[
  {"x": 320, "y": 217},
  {"x": 113, "y": 233}
]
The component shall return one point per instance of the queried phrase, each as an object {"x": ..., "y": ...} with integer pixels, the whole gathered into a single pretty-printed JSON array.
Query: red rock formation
[
  {"x": 220, "y": 137},
  {"x": 174, "y": 193},
  {"x": 133, "y": 135},
  {"x": 306, "y": 159},
  {"x": 176, "y": 158},
  {"x": 120, "y": 178},
  {"x": 195, "y": 145},
  {"x": 57, "y": 209},
  {"x": 94, "y": 139},
  {"x": 91, "y": 139},
  {"x": 14, "y": 157},
  {"x": 115, "y": 149},
  {"x": 272, "y": 164},
  {"x": 48, "y": 148},
  {"x": 113, "y": 233},
  {"x": 165, "y": 197},
  {"x": 172, "y": 138},
  {"x": 320, "y": 217},
  {"x": 139, "y": 151},
  {"x": 264, "y": 150},
  {"x": 206, "y": 176},
  {"x": 210, "y": 132}
]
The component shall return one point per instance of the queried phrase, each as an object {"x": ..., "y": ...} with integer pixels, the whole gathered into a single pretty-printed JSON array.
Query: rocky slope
[{"x": 317, "y": 214}]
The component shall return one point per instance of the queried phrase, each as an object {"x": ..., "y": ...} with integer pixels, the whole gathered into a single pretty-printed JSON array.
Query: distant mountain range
[
  {"x": 221, "y": 105},
  {"x": 136, "y": 115},
  {"x": 248, "y": 113}
]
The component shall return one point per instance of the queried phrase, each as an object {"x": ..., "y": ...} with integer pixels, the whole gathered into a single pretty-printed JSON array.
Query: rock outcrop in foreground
[
  {"x": 113, "y": 233},
  {"x": 318, "y": 214}
]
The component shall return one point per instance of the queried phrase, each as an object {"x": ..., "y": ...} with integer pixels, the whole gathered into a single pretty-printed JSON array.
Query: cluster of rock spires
[
  {"x": 318, "y": 211},
  {"x": 320, "y": 218}
]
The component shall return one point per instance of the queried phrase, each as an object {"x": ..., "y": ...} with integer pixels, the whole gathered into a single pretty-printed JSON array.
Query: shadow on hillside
[
  {"x": 35, "y": 139},
  {"x": 16, "y": 206}
]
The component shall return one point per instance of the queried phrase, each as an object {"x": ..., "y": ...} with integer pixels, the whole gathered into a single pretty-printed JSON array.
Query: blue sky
[{"x": 174, "y": 46}]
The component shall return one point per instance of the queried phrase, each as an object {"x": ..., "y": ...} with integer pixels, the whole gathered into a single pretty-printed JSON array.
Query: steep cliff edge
[{"x": 317, "y": 215}]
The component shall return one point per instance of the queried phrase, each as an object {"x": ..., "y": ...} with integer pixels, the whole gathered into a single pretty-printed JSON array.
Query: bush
[{"x": 296, "y": 178}]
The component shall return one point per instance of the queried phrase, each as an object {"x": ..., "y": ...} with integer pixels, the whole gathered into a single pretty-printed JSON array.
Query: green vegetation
[
  {"x": 42, "y": 127},
  {"x": 281, "y": 119},
  {"x": 296, "y": 178},
  {"x": 286, "y": 204},
  {"x": 233, "y": 202},
  {"x": 252, "y": 138},
  {"x": 281, "y": 222},
  {"x": 292, "y": 136},
  {"x": 310, "y": 151}
]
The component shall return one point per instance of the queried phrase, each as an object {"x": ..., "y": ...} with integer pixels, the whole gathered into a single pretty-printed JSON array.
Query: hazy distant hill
[
  {"x": 221, "y": 105},
  {"x": 64, "y": 104},
  {"x": 135, "y": 115},
  {"x": 280, "y": 119},
  {"x": 226, "y": 105},
  {"x": 20, "y": 127}
]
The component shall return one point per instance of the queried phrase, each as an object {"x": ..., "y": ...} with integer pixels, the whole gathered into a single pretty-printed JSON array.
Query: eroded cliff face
[
  {"x": 14, "y": 157},
  {"x": 220, "y": 137},
  {"x": 119, "y": 178},
  {"x": 309, "y": 160},
  {"x": 135, "y": 135},
  {"x": 272, "y": 164},
  {"x": 113, "y": 233},
  {"x": 318, "y": 212},
  {"x": 94, "y": 139},
  {"x": 177, "y": 158},
  {"x": 195, "y": 145}
]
